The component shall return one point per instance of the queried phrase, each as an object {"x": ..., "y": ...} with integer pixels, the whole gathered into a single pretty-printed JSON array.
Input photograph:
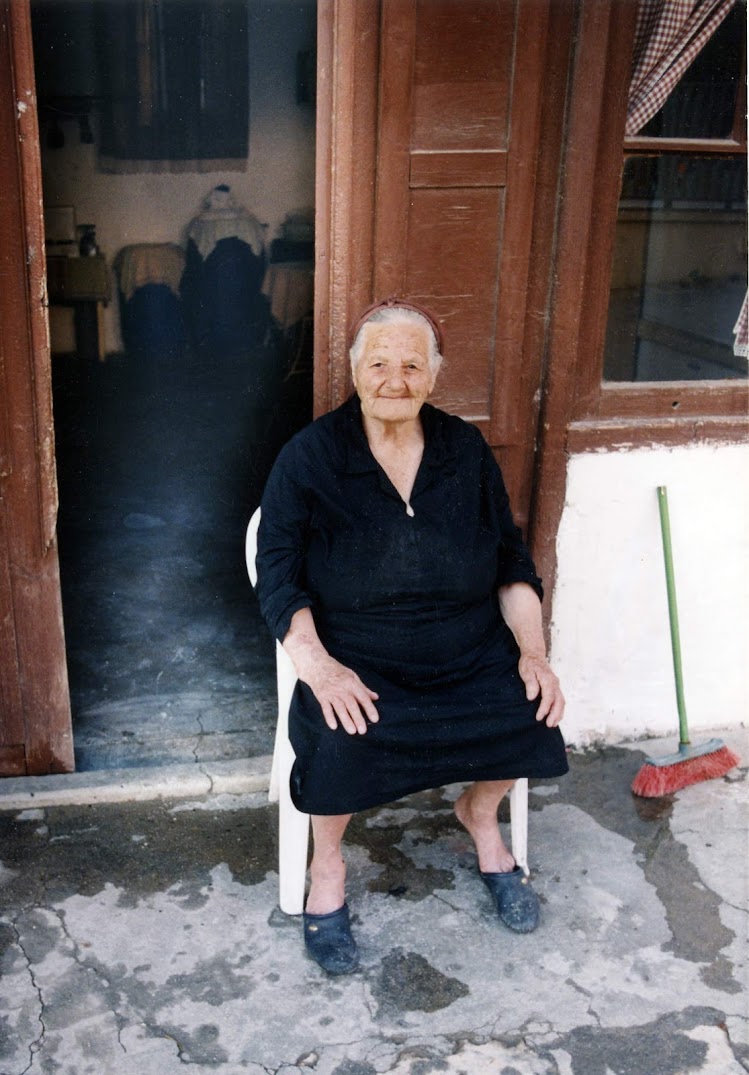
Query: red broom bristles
[{"x": 655, "y": 780}]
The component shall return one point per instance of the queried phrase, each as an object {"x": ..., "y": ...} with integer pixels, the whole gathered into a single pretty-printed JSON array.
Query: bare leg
[
  {"x": 476, "y": 810},
  {"x": 327, "y": 870}
]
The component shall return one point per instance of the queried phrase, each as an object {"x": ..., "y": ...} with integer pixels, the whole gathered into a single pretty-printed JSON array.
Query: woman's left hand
[{"x": 536, "y": 673}]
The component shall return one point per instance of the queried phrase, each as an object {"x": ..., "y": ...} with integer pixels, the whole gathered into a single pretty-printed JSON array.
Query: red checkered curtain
[
  {"x": 669, "y": 36},
  {"x": 741, "y": 331}
]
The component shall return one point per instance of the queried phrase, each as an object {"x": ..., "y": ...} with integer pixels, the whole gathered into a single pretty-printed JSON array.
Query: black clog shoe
[
  {"x": 517, "y": 903},
  {"x": 328, "y": 940}
]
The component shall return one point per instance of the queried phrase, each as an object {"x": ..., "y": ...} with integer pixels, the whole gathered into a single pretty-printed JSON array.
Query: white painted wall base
[{"x": 610, "y": 633}]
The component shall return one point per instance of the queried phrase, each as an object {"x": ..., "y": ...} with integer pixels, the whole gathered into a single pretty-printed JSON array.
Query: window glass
[
  {"x": 702, "y": 104},
  {"x": 679, "y": 274}
]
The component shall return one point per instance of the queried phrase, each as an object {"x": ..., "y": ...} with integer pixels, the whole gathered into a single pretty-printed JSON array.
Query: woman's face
[{"x": 393, "y": 376}]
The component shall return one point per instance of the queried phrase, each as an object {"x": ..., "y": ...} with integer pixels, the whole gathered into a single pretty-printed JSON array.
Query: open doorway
[{"x": 180, "y": 261}]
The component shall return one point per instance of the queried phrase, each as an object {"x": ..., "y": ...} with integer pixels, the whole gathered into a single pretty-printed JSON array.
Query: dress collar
[{"x": 358, "y": 455}]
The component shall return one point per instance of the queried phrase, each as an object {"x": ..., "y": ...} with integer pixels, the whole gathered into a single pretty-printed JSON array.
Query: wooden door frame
[
  {"x": 347, "y": 103},
  {"x": 36, "y": 725}
]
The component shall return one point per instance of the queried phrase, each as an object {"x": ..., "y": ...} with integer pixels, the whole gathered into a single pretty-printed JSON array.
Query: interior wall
[
  {"x": 711, "y": 245},
  {"x": 279, "y": 174},
  {"x": 610, "y": 628}
]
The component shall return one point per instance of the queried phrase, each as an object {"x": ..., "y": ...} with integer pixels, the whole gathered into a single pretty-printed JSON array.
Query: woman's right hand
[{"x": 343, "y": 698}]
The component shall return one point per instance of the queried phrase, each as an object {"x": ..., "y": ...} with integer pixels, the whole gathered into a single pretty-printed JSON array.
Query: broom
[{"x": 692, "y": 764}]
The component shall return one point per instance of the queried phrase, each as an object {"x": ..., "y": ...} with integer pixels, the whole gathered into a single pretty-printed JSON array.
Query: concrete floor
[
  {"x": 142, "y": 937},
  {"x": 161, "y": 461}
]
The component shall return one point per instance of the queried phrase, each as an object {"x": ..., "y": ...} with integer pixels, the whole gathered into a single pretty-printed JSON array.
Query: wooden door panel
[
  {"x": 460, "y": 104},
  {"x": 432, "y": 168},
  {"x": 462, "y": 72},
  {"x": 451, "y": 265}
]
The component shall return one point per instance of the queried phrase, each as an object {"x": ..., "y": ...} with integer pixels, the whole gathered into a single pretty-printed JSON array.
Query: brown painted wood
[
  {"x": 324, "y": 237},
  {"x": 395, "y": 87},
  {"x": 13, "y": 760},
  {"x": 705, "y": 147},
  {"x": 348, "y": 53},
  {"x": 458, "y": 168},
  {"x": 513, "y": 389},
  {"x": 450, "y": 263},
  {"x": 604, "y": 35},
  {"x": 35, "y": 675},
  {"x": 461, "y": 92},
  {"x": 699, "y": 398},
  {"x": 557, "y": 66},
  {"x": 620, "y": 434}
]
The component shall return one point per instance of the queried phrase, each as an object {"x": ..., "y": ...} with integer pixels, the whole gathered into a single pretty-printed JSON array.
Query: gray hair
[{"x": 397, "y": 315}]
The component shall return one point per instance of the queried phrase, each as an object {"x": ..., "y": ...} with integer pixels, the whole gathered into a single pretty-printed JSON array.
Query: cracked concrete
[
  {"x": 144, "y": 939},
  {"x": 192, "y": 727}
]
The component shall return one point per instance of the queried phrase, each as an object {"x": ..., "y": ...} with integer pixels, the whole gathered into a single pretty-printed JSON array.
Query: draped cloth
[
  {"x": 149, "y": 263},
  {"x": 669, "y": 35},
  {"x": 741, "y": 330}
]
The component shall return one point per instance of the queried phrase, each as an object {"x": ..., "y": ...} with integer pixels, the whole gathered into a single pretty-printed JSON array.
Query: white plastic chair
[{"x": 293, "y": 826}]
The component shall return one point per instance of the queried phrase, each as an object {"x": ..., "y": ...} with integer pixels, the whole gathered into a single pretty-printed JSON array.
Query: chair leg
[
  {"x": 293, "y": 841},
  {"x": 293, "y": 835},
  {"x": 279, "y": 745},
  {"x": 519, "y": 823},
  {"x": 293, "y": 826}
]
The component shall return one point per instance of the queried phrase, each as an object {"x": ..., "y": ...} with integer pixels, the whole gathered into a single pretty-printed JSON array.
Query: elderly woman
[{"x": 392, "y": 572}]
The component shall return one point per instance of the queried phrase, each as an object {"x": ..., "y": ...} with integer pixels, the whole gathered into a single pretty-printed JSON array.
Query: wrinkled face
[{"x": 393, "y": 376}]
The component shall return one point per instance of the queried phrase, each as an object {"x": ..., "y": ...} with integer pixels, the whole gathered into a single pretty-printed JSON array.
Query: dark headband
[{"x": 400, "y": 304}]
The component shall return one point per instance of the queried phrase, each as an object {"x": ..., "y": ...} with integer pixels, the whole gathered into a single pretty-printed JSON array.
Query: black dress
[{"x": 410, "y": 603}]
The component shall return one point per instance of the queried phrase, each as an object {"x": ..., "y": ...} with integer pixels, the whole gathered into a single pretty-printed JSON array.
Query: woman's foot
[
  {"x": 476, "y": 810},
  {"x": 327, "y": 883},
  {"x": 328, "y": 940},
  {"x": 516, "y": 902}
]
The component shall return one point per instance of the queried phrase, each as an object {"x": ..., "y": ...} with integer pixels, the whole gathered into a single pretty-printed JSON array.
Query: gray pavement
[
  {"x": 190, "y": 727},
  {"x": 141, "y": 937}
]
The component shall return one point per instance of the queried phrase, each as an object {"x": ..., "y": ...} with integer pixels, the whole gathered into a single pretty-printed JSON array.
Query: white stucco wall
[
  {"x": 610, "y": 633},
  {"x": 279, "y": 176}
]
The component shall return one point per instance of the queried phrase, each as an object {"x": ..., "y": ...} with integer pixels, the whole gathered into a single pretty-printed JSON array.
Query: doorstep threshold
[{"x": 236, "y": 777}]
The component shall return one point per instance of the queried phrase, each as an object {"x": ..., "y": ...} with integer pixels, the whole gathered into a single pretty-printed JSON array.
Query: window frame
[
  {"x": 579, "y": 410},
  {"x": 651, "y": 403}
]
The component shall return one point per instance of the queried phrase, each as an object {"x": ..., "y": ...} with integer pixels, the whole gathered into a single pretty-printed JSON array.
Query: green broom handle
[{"x": 673, "y": 614}]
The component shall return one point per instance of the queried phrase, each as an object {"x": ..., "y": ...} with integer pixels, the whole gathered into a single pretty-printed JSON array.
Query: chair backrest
[
  {"x": 250, "y": 546},
  {"x": 285, "y": 672}
]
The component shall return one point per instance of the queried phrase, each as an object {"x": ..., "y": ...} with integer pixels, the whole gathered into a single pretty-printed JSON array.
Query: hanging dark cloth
[{"x": 174, "y": 79}]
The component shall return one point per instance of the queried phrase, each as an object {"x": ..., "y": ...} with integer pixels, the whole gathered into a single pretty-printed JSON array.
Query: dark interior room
[{"x": 178, "y": 166}]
